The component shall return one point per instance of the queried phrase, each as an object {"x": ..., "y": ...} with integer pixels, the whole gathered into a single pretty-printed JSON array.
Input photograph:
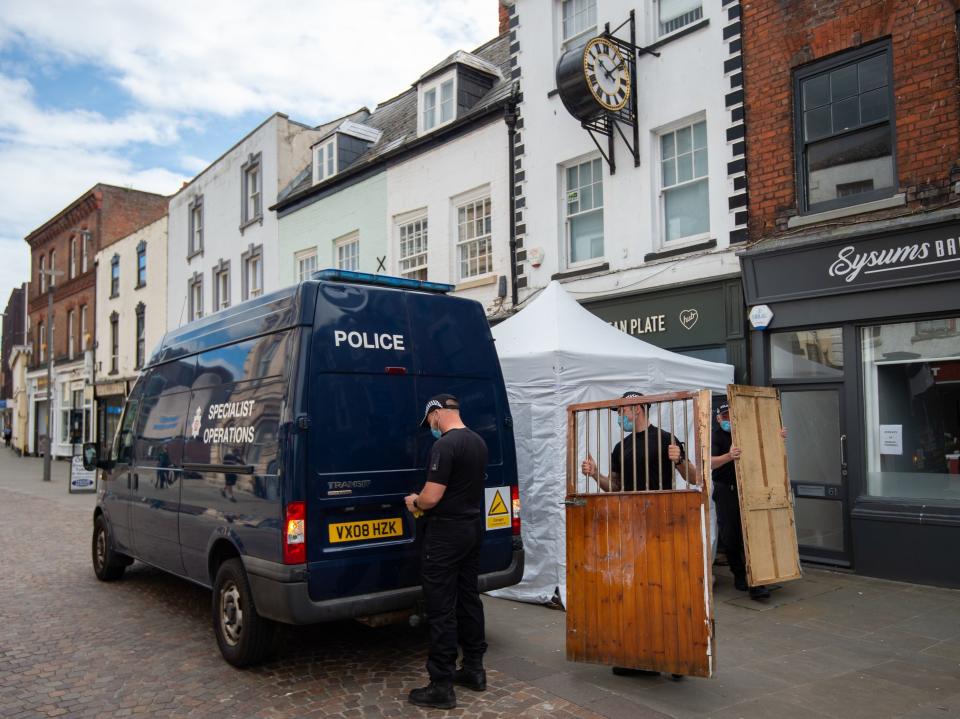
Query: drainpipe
[{"x": 510, "y": 117}]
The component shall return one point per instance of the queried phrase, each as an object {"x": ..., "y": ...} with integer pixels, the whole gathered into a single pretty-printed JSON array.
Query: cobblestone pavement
[{"x": 73, "y": 646}]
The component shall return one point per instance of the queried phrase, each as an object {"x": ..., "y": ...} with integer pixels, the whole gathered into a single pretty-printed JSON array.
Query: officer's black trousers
[
  {"x": 728, "y": 524},
  {"x": 450, "y": 565}
]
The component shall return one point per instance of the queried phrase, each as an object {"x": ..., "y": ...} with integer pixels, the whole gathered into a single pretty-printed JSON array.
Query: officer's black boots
[
  {"x": 438, "y": 696},
  {"x": 475, "y": 679}
]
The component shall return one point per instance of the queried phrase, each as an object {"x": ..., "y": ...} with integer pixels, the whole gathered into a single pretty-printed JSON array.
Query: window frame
[
  {"x": 140, "y": 331},
  {"x": 41, "y": 341},
  {"x": 195, "y": 230},
  {"x": 821, "y": 67},
  {"x": 406, "y": 220},
  {"x": 114, "y": 342},
  {"x": 435, "y": 84},
  {"x": 141, "y": 255},
  {"x": 341, "y": 243},
  {"x": 565, "y": 218},
  {"x": 195, "y": 292},
  {"x": 221, "y": 273},
  {"x": 252, "y": 165},
  {"x": 73, "y": 256},
  {"x": 658, "y": 26},
  {"x": 42, "y": 271},
  {"x": 114, "y": 276},
  {"x": 83, "y": 328},
  {"x": 300, "y": 257},
  {"x": 85, "y": 236},
  {"x": 254, "y": 253},
  {"x": 687, "y": 122},
  {"x": 459, "y": 203},
  {"x": 71, "y": 333},
  {"x": 564, "y": 44},
  {"x": 329, "y": 148}
]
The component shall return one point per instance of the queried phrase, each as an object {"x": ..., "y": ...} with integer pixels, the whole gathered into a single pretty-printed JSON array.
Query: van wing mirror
[{"x": 91, "y": 456}]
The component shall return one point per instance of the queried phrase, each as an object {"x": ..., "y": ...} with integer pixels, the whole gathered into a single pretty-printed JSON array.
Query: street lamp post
[{"x": 46, "y": 455}]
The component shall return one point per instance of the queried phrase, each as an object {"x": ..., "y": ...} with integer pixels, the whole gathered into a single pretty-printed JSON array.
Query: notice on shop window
[{"x": 891, "y": 439}]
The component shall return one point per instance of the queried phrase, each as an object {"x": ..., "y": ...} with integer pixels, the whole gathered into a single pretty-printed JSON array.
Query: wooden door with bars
[
  {"x": 763, "y": 487},
  {"x": 638, "y": 542}
]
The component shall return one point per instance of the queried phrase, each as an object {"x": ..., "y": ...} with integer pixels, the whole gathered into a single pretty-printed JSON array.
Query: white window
[
  {"x": 114, "y": 343},
  {"x": 53, "y": 267},
  {"x": 306, "y": 263},
  {"x": 348, "y": 253},
  {"x": 437, "y": 103},
  {"x": 578, "y": 19},
  {"x": 413, "y": 249},
  {"x": 675, "y": 14},
  {"x": 84, "y": 249},
  {"x": 71, "y": 336},
  {"x": 474, "y": 249},
  {"x": 196, "y": 299},
  {"x": 73, "y": 257},
  {"x": 254, "y": 270},
  {"x": 325, "y": 160},
  {"x": 583, "y": 203},
  {"x": 222, "y": 290},
  {"x": 43, "y": 274},
  {"x": 251, "y": 193},
  {"x": 41, "y": 341},
  {"x": 83, "y": 327},
  {"x": 683, "y": 182},
  {"x": 196, "y": 227}
]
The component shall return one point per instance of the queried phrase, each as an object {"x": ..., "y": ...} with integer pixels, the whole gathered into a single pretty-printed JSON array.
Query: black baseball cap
[
  {"x": 631, "y": 393},
  {"x": 439, "y": 401},
  {"x": 723, "y": 409}
]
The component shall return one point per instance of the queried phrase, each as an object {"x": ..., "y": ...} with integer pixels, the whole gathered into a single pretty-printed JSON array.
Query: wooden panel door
[
  {"x": 639, "y": 562},
  {"x": 766, "y": 502},
  {"x": 636, "y": 594}
]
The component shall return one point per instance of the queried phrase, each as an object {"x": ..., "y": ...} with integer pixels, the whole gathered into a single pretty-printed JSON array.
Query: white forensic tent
[{"x": 555, "y": 353}]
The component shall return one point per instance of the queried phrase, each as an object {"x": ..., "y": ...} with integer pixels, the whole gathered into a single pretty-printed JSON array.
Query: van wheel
[
  {"x": 242, "y": 634},
  {"x": 108, "y": 565}
]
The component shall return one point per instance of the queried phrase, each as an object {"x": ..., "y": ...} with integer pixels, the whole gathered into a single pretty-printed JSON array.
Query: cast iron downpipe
[{"x": 510, "y": 117}]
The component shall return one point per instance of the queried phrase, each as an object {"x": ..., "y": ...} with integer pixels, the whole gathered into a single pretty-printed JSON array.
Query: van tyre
[
  {"x": 243, "y": 635},
  {"x": 108, "y": 564}
]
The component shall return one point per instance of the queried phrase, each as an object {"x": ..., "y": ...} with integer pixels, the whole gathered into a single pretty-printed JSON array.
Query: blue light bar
[{"x": 365, "y": 278}]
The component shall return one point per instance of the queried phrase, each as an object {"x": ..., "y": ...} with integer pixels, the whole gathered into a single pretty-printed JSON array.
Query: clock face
[{"x": 607, "y": 73}]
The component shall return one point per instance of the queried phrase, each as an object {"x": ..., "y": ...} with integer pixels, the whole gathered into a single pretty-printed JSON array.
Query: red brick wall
[
  {"x": 781, "y": 35},
  {"x": 124, "y": 211}
]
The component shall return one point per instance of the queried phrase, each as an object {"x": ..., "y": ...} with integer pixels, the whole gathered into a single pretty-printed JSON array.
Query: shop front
[
  {"x": 110, "y": 399},
  {"x": 864, "y": 346},
  {"x": 705, "y": 320}
]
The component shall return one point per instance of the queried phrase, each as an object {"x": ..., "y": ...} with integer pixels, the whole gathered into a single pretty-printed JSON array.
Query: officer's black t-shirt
[
  {"x": 720, "y": 444},
  {"x": 458, "y": 461},
  {"x": 646, "y": 443}
]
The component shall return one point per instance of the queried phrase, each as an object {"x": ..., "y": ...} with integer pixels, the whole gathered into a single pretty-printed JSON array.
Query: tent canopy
[{"x": 555, "y": 353}]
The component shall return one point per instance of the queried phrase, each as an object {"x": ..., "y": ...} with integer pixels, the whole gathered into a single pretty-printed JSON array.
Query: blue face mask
[
  {"x": 437, "y": 434},
  {"x": 725, "y": 425},
  {"x": 625, "y": 423}
]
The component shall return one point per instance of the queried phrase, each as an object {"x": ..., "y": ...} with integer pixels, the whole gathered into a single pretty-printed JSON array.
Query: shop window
[
  {"x": 844, "y": 130},
  {"x": 807, "y": 354},
  {"x": 912, "y": 410}
]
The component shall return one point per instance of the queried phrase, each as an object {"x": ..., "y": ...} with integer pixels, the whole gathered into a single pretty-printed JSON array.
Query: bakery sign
[{"x": 925, "y": 255}]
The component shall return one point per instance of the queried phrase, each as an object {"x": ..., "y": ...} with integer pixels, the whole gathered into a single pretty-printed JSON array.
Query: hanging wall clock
[{"x": 593, "y": 79}]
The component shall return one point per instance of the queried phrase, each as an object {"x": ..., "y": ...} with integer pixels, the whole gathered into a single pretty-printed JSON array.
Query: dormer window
[
  {"x": 438, "y": 102},
  {"x": 325, "y": 159}
]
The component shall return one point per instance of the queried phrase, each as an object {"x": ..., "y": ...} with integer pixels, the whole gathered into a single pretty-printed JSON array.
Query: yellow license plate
[{"x": 366, "y": 530}]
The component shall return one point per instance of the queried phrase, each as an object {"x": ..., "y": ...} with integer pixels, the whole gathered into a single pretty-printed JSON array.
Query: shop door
[{"x": 817, "y": 452}]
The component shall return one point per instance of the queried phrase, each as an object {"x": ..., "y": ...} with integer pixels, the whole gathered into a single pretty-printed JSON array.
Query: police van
[{"x": 265, "y": 452}]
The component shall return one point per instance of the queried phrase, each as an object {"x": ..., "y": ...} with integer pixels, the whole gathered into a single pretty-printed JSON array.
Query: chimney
[{"x": 504, "y": 16}]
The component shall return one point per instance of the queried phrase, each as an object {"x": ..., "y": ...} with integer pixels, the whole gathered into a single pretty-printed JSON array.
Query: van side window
[
  {"x": 159, "y": 427},
  {"x": 122, "y": 451},
  {"x": 253, "y": 359}
]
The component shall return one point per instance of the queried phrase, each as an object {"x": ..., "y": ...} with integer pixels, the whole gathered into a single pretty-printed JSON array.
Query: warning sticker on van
[{"x": 497, "y": 508}]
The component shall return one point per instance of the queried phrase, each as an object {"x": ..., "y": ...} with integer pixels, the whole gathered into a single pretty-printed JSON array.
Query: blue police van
[{"x": 265, "y": 452}]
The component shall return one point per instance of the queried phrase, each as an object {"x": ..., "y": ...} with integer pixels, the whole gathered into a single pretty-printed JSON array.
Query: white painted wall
[
  {"x": 686, "y": 81},
  {"x": 153, "y": 296},
  {"x": 285, "y": 149},
  {"x": 468, "y": 166}
]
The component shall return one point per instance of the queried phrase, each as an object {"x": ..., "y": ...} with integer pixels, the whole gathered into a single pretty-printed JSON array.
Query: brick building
[
  {"x": 68, "y": 244},
  {"x": 13, "y": 325},
  {"x": 853, "y": 271}
]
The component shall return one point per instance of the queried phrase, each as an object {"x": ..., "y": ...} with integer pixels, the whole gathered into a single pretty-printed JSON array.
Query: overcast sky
[{"x": 147, "y": 94}]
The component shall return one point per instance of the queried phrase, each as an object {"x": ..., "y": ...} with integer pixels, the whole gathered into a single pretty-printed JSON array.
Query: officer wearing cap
[
  {"x": 722, "y": 455},
  {"x": 452, "y": 501}
]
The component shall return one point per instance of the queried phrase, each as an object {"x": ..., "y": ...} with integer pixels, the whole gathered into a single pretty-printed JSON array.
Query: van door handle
[
  {"x": 129, "y": 479},
  {"x": 843, "y": 455},
  {"x": 136, "y": 481}
]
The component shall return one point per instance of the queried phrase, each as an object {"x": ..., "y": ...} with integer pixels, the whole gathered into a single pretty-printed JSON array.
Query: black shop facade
[
  {"x": 704, "y": 320},
  {"x": 859, "y": 329}
]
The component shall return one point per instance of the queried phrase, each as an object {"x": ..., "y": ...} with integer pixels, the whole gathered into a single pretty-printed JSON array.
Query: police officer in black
[
  {"x": 722, "y": 455},
  {"x": 452, "y": 501}
]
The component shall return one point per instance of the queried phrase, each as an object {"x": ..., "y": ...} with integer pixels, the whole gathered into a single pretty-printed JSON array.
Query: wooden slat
[{"x": 763, "y": 486}]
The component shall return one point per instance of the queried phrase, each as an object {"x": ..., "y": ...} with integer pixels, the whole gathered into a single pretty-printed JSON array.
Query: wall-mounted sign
[
  {"x": 928, "y": 254},
  {"x": 760, "y": 317}
]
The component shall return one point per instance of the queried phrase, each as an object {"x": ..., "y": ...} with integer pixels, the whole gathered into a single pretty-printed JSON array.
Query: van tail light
[
  {"x": 295, "y": 534},
  {"x": 515, "y": 502}
]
